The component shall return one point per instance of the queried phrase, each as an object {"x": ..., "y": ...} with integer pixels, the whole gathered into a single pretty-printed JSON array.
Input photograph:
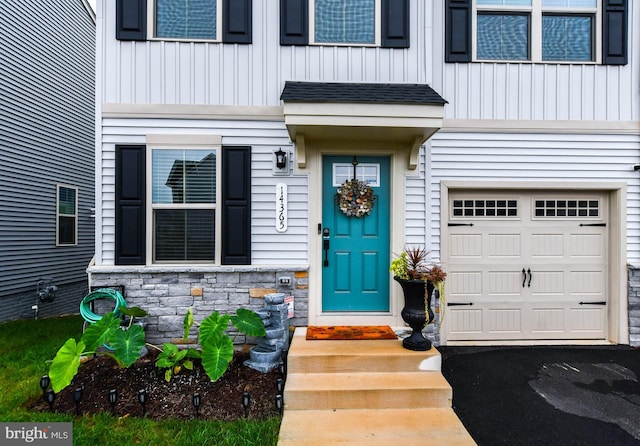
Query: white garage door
[{"x": 526, "y": 266}]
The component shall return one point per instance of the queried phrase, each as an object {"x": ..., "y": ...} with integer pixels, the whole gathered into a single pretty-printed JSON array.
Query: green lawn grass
[{"x": 25, "y": 348}]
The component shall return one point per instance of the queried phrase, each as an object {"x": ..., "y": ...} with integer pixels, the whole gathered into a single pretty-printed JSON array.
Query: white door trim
[
  {"x": 315, "y": 152},
  {"x": 618, "y": 322}
]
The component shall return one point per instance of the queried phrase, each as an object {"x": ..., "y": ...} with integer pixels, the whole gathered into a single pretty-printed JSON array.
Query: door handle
[
  {"x": 529, "y": 271},
  {"x": 524, "y": 277},
  {"x": 325, "y": 246}
]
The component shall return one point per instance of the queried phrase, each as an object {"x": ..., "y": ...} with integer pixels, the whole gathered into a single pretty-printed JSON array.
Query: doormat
[{"x": 354, "y": 333}]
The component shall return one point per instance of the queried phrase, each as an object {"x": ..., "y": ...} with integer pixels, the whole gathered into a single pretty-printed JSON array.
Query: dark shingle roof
[{"x": 366, "y": 93}]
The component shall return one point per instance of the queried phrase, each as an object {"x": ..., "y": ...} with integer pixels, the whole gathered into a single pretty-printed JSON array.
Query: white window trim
[
  {"x": 152, "y": 28},
  {"x": 182, "y": 142},
  {"x": 377, "y": 28},
  {"x": 535, "y": 43},
  {"x": 58, "y": 215}
]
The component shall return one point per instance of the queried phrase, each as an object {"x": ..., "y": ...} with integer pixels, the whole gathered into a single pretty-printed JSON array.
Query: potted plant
[{"x": 418, "y": 277}]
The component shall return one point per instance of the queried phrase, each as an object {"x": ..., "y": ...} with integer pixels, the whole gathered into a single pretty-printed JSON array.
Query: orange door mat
[{"x": 336, "y": 332}]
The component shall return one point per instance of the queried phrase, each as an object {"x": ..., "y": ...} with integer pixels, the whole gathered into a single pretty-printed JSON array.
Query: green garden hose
[{"x": 102, "y": 293}]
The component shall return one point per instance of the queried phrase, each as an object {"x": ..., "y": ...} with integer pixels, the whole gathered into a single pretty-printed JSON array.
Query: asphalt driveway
[{"x": 565, "y": 395}]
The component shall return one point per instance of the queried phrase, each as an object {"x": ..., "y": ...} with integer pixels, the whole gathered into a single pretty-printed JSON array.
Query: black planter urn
[{"x": 415, "y": 312}]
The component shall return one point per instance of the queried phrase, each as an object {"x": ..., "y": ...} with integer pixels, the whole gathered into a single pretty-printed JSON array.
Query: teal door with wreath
[{"x": 355, "y": 249}]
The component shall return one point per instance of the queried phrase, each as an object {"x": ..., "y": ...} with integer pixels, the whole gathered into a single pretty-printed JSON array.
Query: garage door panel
[
  {"x": 587, "y": 245},
  {"x": 588, "y": 319},
  {"x": 465, "y": 321},
  {"x": 501, "y": 246},
  {"x": 465, "y": 246},
  {"x": 462, "y": 284},
  {"x": 505, "y": 320},
  {"x": 547, "y": 283},
  {"x": 587, "y": 283},
  {"x": 547, "y": 320},
  {"x": 505, "y": 283},
  {"x": 547, "y": 245}
]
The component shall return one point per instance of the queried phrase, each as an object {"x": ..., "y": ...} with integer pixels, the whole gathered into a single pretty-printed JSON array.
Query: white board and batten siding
[
  {"x": 265, "y": 137},
  {"x": 542, "y": 91},
  {"x": 166, "y": 72}
]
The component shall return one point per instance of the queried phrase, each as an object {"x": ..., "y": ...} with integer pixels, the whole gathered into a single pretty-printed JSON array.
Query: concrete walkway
[{"x": 370, "y": 392}]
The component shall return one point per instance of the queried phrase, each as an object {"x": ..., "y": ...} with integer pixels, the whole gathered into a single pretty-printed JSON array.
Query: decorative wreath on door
[{"x": 355, "y": 198}]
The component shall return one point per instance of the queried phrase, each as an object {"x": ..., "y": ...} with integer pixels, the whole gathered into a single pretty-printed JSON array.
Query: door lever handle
[
  {"x": 524, "y": 277},
  {"x": 325, "y": 246},
  {"x": 529, "y": 271}
]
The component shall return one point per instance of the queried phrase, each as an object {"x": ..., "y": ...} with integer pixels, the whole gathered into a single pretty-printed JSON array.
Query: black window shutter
[
  {"x": 236, "y": 21},
  {"x": 294, "y": 22},
  {"x": 130, "y": 205},
  {"x": 395, "y": 23},
  {"x": 457, "y": 31},
  {"x": 614, "y": 32},
  {"x": 236, "y": 205},
  {"x": 131, "y": 19}
]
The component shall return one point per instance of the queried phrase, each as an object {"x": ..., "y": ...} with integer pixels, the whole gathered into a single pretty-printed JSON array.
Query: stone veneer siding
[
  {"x": 634, "y": 305},
  {"x": 167, "y": 293}
]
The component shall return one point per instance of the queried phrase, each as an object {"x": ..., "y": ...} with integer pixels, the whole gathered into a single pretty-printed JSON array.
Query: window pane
[
  {"x": 503, "y": 37},
  {"x": 186, "y": 19},
  {"x": 66, "y": 230},
  {"x": 66, "y": 201},
  {"x": 183, "y": 176},
  {"x": 569, "y": 3},
  {"x": 566, "y": 38},
  {"x": 345, "y": 21},
  {"x": 184, "y": 234}
]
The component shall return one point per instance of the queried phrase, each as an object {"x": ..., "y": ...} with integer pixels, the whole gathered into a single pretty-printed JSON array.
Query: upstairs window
[
  {"x": 345, "y": 22},
  {"x": 364, "y": 23},
  {"x": 537, "y": 30},
  {"x": 187, "y": 19},
  {"x": 67, "y": 215}
]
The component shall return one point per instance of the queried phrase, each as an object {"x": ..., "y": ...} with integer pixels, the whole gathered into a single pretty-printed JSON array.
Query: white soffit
[{"x": 398, "y": 126}]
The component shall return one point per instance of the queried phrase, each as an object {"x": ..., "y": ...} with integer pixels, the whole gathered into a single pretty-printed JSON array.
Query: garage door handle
[
  {"x": 603, "y": 225},
  {"x": 529, "y": 284},
  {"x": 593, "y": 303},
  {"x": 459, "y": 224},
  {"x": 524, "y": 277},
  {"x": 459, "y": 304}
]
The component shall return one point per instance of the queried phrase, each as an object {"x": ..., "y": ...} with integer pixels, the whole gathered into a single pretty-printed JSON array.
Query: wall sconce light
[{"x": 281, "y": 158}]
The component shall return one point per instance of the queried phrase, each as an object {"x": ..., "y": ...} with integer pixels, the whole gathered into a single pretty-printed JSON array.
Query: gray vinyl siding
[{"x": 47, "y": 133}]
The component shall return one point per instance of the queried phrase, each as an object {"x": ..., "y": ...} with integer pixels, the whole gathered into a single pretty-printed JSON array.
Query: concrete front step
[
  {"x": 430, "y": 426},
  {"x": 383, "y": 355},
  {"x": 366, "y": 390}
]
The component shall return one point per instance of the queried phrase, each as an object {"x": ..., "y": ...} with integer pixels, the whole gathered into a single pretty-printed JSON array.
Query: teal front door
[{"x": 355, "y": 263}]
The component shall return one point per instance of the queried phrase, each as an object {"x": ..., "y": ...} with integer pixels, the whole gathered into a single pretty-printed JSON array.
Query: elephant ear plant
[{"x": 125, "y": 345}]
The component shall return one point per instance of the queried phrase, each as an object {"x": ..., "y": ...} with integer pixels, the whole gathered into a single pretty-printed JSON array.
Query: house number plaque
[{"x": 281, "y": 207}]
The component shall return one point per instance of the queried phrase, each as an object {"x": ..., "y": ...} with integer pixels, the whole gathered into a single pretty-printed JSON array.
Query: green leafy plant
[
  {"x": 123, "y": 345},
  {"x": 174, "y": 360},
  {"x": 217, "y": 345}
]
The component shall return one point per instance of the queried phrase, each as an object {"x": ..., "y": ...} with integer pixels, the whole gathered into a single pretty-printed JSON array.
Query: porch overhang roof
[{"x": 398, "y": 116}]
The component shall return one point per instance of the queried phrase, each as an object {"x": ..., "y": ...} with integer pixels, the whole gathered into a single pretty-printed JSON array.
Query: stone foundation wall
[
  {"x": 634, "y": 305},
  {"x": 166, "y": 295}
]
